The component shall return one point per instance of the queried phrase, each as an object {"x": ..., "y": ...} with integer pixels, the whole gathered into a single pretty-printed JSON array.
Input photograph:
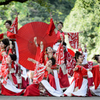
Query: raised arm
[
  {"x": 35, "y": 41},
  {"x": 32, "y": 60},
  {"x": 41, "y": 46}
]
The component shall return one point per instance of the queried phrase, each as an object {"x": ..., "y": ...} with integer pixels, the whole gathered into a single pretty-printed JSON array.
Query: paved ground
[{"x": 47, "y": 98}]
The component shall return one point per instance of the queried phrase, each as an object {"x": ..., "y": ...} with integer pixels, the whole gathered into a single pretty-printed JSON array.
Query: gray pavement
[{"x": 47, "y": 98}]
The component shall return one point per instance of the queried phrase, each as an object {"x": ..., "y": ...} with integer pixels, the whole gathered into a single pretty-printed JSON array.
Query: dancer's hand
[
  {"x": 35, "y": 41},
  {"x": 41, "y": 46},
  {"x": 11, "y": 46}
]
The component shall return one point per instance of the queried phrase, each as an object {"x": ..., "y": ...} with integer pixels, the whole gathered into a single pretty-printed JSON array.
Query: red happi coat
[
  {"x": 58, "y": 36},
  {"x": 4, "y": 70},
  {"x": 39, "y": 71},
  {"x": 78, "y": 75},
  {"x": 96, "y": 75}
]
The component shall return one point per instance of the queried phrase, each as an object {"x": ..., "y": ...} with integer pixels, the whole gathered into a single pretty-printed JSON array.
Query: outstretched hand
[{"x": 11, "y": 46}]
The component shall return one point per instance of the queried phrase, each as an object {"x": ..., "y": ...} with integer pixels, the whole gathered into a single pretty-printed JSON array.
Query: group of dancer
[{"x": 51, "y": 76}]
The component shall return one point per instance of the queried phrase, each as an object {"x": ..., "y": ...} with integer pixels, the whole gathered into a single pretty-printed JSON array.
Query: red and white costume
[
  {"x": 96, "y": 78},
  {"x": 78, "y": 81},
  {"x": 8, "y": 88}
]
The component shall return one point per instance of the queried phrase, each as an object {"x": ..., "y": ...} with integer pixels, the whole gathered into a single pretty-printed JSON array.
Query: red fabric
[
  {"x": 52, "y": 81},
  {"x": 39, "y": 55},
  {"x": 80, "y": 50},
  {"x": 11, "y": 35},
  {"x": 73, "y": 40},
  {"x": 10, "y": 51},
  {"x": 25, "y": 83},
  {"x": 14, "y": 78},
  {"x": 58, "y": 36},
  {"x": 64, "y": 82},
  {"x": 51, "y": 27},
  {"x": 1, "y": 36},
  {"x": 14, "y": 26},
  {"x": 39, "y": 73},
  {"x": 88, "y": 65},
  {"x": 90, "y": 81},
  {"x": 26, "y": 46},
  {"x": 60, "y": 55},
  {"x": 7, "y": 92},
  {"x": 4, "y": 70},
  {"x": 1, "y": 57},
  {"x": 71, "y": 52},
  {"x": 78, "y": 76},
  {"x": 70, "y": 63},
  {"x": 96, "y": 75},
  {"x": 32, "y": 90}
]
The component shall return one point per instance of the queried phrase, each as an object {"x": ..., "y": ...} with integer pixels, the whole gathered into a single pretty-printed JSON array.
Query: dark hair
[
  {"x": 77, "y": 54},
  {"x": 53, "y": 60},
  {"x": 60, "y": 23},
  {"x": 13, "y": 57},
  {"x": 96, "y": 57},
  {"x": 9, "y": 22},
  {"x": 64, "y": 43},
  {"x": 5, "y": 42},
  {"x": 47, "y": 48}
]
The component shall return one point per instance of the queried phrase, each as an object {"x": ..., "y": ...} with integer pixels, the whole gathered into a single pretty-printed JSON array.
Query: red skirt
[
  {"x": 7, "y": 92},
  {"x": 32, "y": 90}
]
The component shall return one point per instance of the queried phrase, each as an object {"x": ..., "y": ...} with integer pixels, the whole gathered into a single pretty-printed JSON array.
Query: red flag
[
  {"x": 60, "y": 55},
  {"x": 51, "y": 27},
  {"x": 70, "y": 63},
  {"x": 14, "y": 27},
  {"x": 73, "y": 40}
]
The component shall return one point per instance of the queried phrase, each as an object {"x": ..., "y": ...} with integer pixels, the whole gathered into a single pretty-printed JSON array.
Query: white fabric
[
  {"x": 24, "y": 76},
  {"x": 80, "y": 92},
  {"x": 12, "y": 70},
  {"x": 89, "y": 74},
  {"x": 97, "y": 91},
  {"x": 19, "y": 79},
  {"x": 50, "y": 89},
  {"x": 58, "y": 88},
  {"x": 17, "y": 53},
  {"x": 85, "y": 58},
  {"x": 11, "y": 87},
  {"x": 63, "y": 68},
  {"x": 24, "y": 70}
]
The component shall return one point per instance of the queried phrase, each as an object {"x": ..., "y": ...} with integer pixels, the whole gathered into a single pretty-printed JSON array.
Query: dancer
[
  {"x": 78, "y": 86},
  {"x": 96, "y": 76}
]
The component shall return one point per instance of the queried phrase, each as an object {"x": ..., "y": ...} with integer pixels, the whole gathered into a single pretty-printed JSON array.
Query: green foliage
[
  {"x": 85, "y": 17},
  {"x": 35, "y": 10}
]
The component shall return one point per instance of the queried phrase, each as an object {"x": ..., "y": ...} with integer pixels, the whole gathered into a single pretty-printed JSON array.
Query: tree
[{"x": 85, "y": 16}]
